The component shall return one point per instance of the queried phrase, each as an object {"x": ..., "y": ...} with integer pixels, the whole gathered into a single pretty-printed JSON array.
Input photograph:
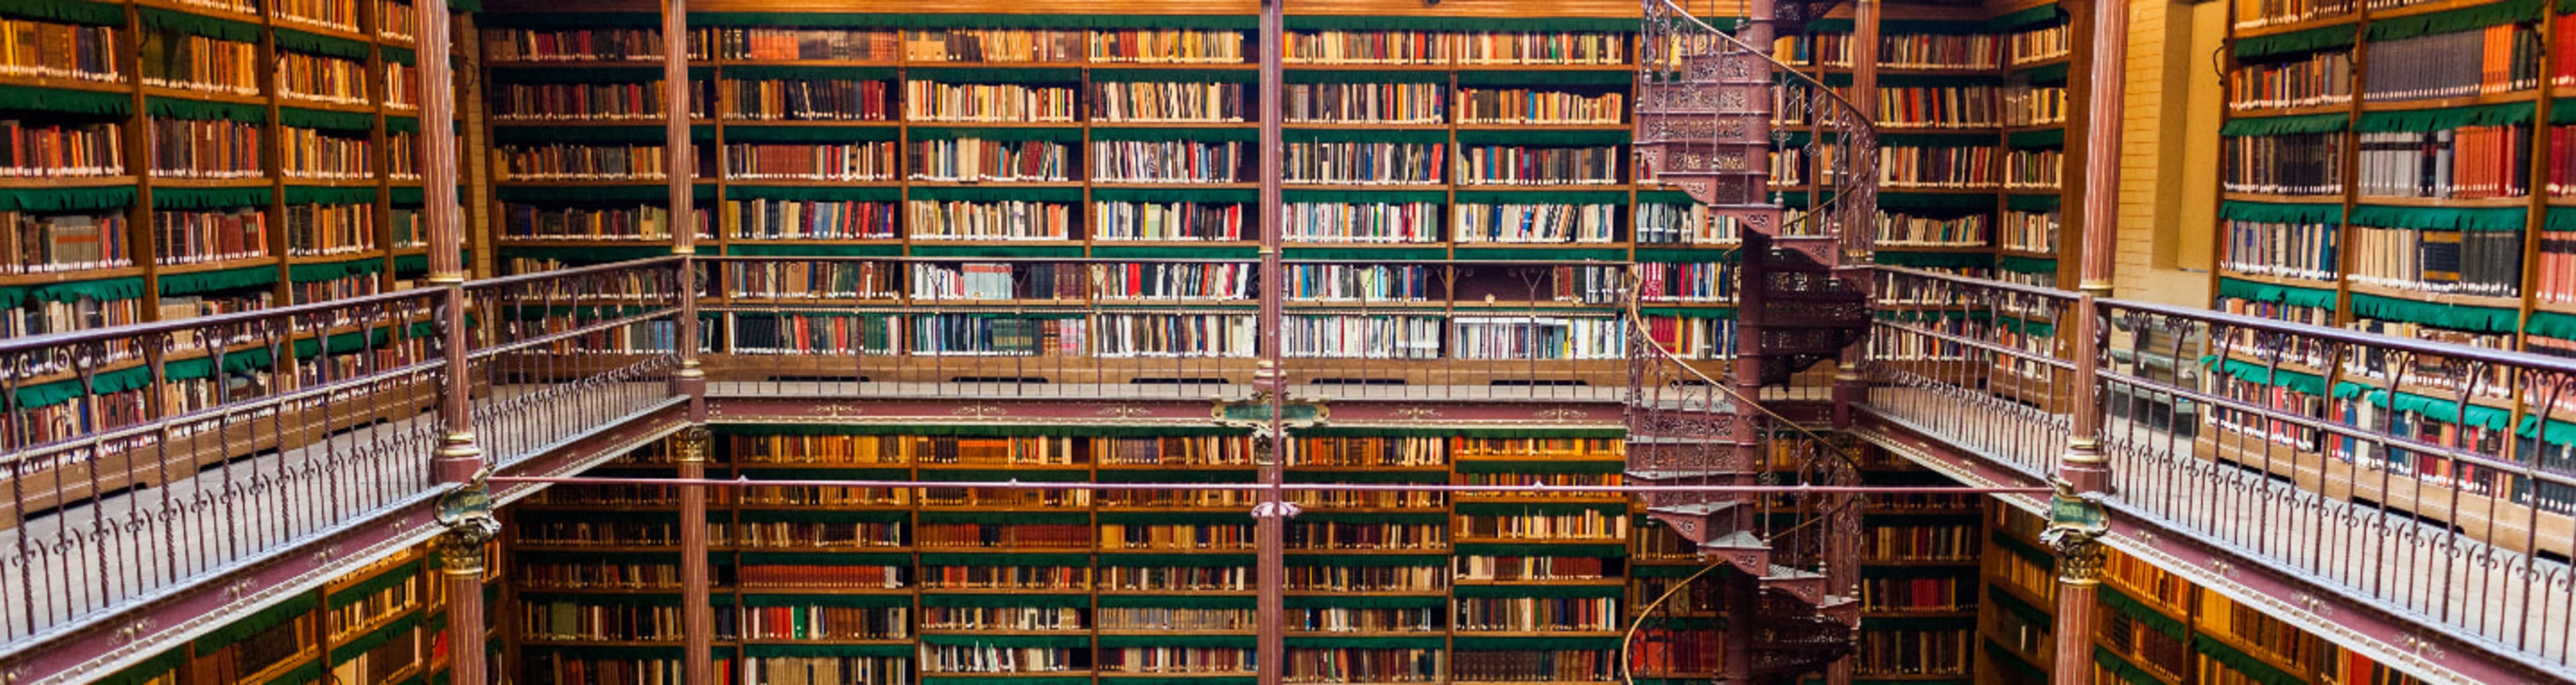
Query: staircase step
[
  {"x": 1741, "y": 549},
  {"x": 1657, "y": 476},
  {"x": 1703, "y": 510}
]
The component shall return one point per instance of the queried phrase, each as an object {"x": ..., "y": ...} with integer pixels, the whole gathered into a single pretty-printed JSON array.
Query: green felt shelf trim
[
  {"x": 1459, "y": 23},
  {"x": 1365, "y": 76},
  {"x": 2427, "y": 120},
  {"x": 155, "y": 18},
  {"x": 2010, "y": 603},
  {"x": 2043, "y": 138},
  {"x": 1669, "y": 571},
  {"x": 210, "y": 198},
  {"x": 1364, "y": 135},
  {"x": 1570, "y": 197},
  {"x": 1160, "y": 560},
  {"x": 199, "y": 110},
  {"x": 150, "y": 670},
  {"x": 1161, "y": 252},
  {"x": 211, "y": 281},
  {"x": 593, "y": 135},
  {"x": 1204, "y": 135},
  {"x": 2281, "y": 126},
  {"x": 401, "y": 627},
  {"x": 836, "y": 600},
  {"x": 105, "y": 289},
  {"x": 2141, "y": 612},
  {"x": 2032, "y": 203},
  {"x": 800, "y": 73},
  {"x": 2252, "y": 667},
  {"x": 1706, "y": 255},
  {"x": 1391, "y": 642},
  {"x": 1031, "y": 75},
  {"x": 2266, "y": 292},
  {"x": 808, "y": 134},
  {"x": 2440, "y": 218},
  {"x": 65, "y": 101},
  {"x": 2479, "y": 319},
  {"x": 2306, "y": 213},
  {"x": 1690, "y": 312},
  {"x": 1435, "y": 477},
  {"x": 2463, "y": 19},
  {"x": 1362, "y": 601},
  {"x": 2121, "y": 668},
  {"x": 2046, "y": 75},
  {"x": 1540, "y": 509},
  {"x": 1374, "y": 518},
  {"x": 307, "y": 674},
  {"x": 2310, "y": 40},
  {"x": 587, "y": 255},
  {"x": 2025, "y": 18},
  {"x": 1964, "y": 260},
  {"x": 1463, "y": 431},
  {"x": 2256, "y": 372},
  {"x": 966, "y": 20},
  {"x": 2431, "y": 408},
  {"x": 1171, "y": 195},
  {"x": 1363, "y": 196},
  {"x": 2025, "y": 265},
  {"x": 329, "y": 195},
  {"x": 1418, "y": 254},
  {"x": 589, "y": 75},
  {"x": 995, "y": 194},
  {"x": 74, "y": 199},
  {"x": 826, "y": 558},
  {"x": 649, "y": 194},
  {"x": 292, "y": 606},
  {"x": 324, "y": 271},
  {"x": 1502, "y": 254},
  {"x": 66, "y": 11},
  {"x": 821, "y": 516},
  {"x": 773, "y": 651},
  {"x": 1175, "y": 75},
  {"x": 1936, "y": 201},
  {"x": 1594, "y": 466},
  {"x": 1179, "y": 640},
  {"x": 2561, "y": 433},
  {"x": 1542, "y": 591},
  {"x": 1505, "y": 78},
  {"x": 1495, "y": 549},
  {"x": 1467, "y": 643},
  {"x": 413, "y": 196},
  {"x": 806, "y": 250},
  {"x": 325, "y": 119},
  {"x": 2550, "y": 324},
  {"x": 557, "y": 21},
  {"x": 316, "y": 44},
  {"x": 1368, "y": 560},
  {"x": 372, "y": 585},
  {"x": 1174, "y": 518}
]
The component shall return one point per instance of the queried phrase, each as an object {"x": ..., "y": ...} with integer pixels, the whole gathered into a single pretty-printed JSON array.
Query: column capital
[{"x": 693, "y": 443}]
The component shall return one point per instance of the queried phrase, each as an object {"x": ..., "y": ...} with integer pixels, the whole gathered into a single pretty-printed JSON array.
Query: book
[
  {"x": 210, "y": 149},
  {"x": 61, "y": 149},
  {"x": 1533, "y": 223},
  {"x": 574, "y": 45},
  {"x": 1515, "y": 165},
  {"x": 805, "y": 100},
  {"x": 1166, "y": 102},
  {"x": 2305, "y": 80},
  {"x": 1364, "y": 103},
  {"x": 2292, "y": 164},
  {"x": 321, "y": 79},
  {"x": 2464, "y": 163},
  {"x": 872, "y": 161},
  {"x": 46, "y": 49},
  {"x": 987, "y": 102},
  {"x": 329, "y": 229},
  {"x": 171, "y": 59},
  {"x": 44, "y": 243},
  {"x": 1169, "y": 161},
  {"x": 2490, "y": 60},
  {"x": 1354, "y": 163},
  {"x": 1489, "y": 106},
  {"x": 976, "y": 159},
  {"x": 307, "y": 153}
]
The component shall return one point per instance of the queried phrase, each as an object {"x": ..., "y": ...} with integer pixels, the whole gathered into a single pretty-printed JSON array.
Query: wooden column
[
  {"x": 2075, "y": 522},
  {"x": 1270, "y": 514},
  {"x": 466, "y": 506},
  {"x": 697, "y": 614},
  {"x": 2106, "y": 81}
]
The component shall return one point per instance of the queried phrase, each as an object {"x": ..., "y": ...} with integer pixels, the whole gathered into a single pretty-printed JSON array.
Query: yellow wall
[{"x": 2169, "y": 151}]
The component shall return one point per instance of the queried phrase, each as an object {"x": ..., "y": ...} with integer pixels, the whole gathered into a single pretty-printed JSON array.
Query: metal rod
[{"x": 1287, "y": 487}]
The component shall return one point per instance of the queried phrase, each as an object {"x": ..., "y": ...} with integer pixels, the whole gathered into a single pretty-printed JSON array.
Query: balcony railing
[{"x": 2429, "y": 479}]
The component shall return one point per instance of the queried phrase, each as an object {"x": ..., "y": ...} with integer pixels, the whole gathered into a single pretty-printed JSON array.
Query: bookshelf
[{"x": 2389, "y": 172}]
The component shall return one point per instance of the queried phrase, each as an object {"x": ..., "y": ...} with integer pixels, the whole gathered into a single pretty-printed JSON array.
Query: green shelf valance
[
  {"x": 292, "y": 606},
  {"x": 1363, "y": 76},
  {"x": 2550, "y": 324},
  {"x": 1934, "y": 201},
  {"x": 1462, "y": 431},
  {"x": 71, "y": 199},
  {"x": 1594, "y": 466},
  {"x": 2281, "y": 126},
  {"x": 587, "y": 255},
  {"x": 1012, "y": 680},
  {"x": 1375, "y": 518},
  {"x": 1174, "y": 195},
  {"x": 649, "y": 194},
  {"x": 2141, "y": 613},
  {"x": 1940, "y": 27},
  {"x": 1955, "y": 260},
  {"x": 104, "y": 382},
  {"x": 811, "y": 250},
  {"x": 1175, "y": 252},
  {"x": 2026, "y": 265},
  {"x": 379, "y": 583},
  {"x": 1541, "y": 591},
  {"x": 66, "y": 11},
  {"x": 994, "y": 74},
  {"x": 2310, "y": 40},
  {"x": 325, "y": 119},
  {"x": 826, "y": 558},
  {"x": 822, "y": 516},
  {"x": 1368, "y": 560},
  {"x": 1671, "y": 197},
  {"x": 1363, "y": 196},
  {"x": 592, "y": 135},
  {"x": 1413, "y": 136},
  {"x": 107, "y": 289},
  {"x": 65, "y": 101},
  {"x": 833, "y": 600},
  {"x": 330, "y": 195},
  {"x": 1464, "y": 642},
  {"x": 801, "y": 73},
  {"x": 1158, "y": 560},
  {"x": 813, "y": 193},
  {"x": 2122, "y": 669},
  {"x": 970, "y": 249},
  {"x": 2032, "y": 203},
  {"x": 1505, "y": 549},
  {"x": 2560, "y": 433},
  {"x": 1170, "y": 474},
  {"x": 589, "y": 75},
  {"x": 1937, "y": 140},
  {"x": 400, "y": 627},
  {"x": 2028, "y": 552},
  {"x": 1179, "y": 518},
  {"x": 1361, "y": 601},
  {"x": 1592, "y": 138},
  {"x": 577, "y": 20},
  {"x": 2030, "y": 328},
  {"x": 1997, "y": 653},
  {"x": 2252, "y": 667},
  {"x": 2046, "y": 74},
  {"x": 2306, "y": 213},
  {"x": 1168, "y": 134},
  {"x": 200, "y": 110},
  {"x": 2432, "y": 408},
  {"x": 1669, "y": 571},
  {"x": 1389, "y": 642},
  {"x": 1200, "y": 641},
  {"x": 2427, "y": 120},
  {"x": 1510, "y": 254},
  {"x": 1117, "y": 679},
  {"x": 412, "y": 196},
  {"x": 2440, "y": 218},
  {"x": 808, "y": 134},
  {"x": 2266, "y": 292},
  {"x": 2464, "y": 19},
  {"x": 308, "y": 674},
  {"x": 1708, "y": 255},
  {"x": 777, "y": 651},
  {"x": 1540, "y": 509},
  {"x": 1174, "y": 75},
  {"x": 1039, "y": 642},
  {"x": 155, "y": 18},
  {"x": 1178, "y": 601},
  {"x": 1690, "y": 312},
  {"x": 1294, "y": 22},
  {"x": 317, "y": 44},
  {"x": 195, "y": 282},
  {"x": 1606, "y": 78},
  {"x": 152, "y": 669},
  {"x": 2257, "y": 372},
  {"x": 2013, "y": 604},
  {"x": 1304, "y": 476},
  {"x": 209, "y": 198},
  {"x": 1004, "y": 476},
  {"x": 996, "y": 193},
  {"x": 2024, "y": 18},
  {"x": 826, "y": 474},
  {"x": 973, "y": 20},
  {"x": 1413, "y": 254},
  {"x": 2479, "y": 319},
  {"x": 2042, "y": 138}
]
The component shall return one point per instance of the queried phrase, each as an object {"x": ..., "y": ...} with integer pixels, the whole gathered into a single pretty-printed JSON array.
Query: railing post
[
  {"x": 465, "y": 509},
  {"x": 697, "y": 615},
  {"x": 2075, "y": 514}
]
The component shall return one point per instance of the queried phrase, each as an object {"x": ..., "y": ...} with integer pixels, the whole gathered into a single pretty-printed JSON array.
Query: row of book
[
  {"x": 978, "y": 102},
  {"x": 595, "y": 101},
  {"x": 45, "y": 49},
  {"x": 1373, "y": 103},
  {"x": 2033, "y": 169},
  {"x": 1964, "y": 167},
  {"x": 196, "y": 237},
  {"x": 2262, "y": 13},
  {"x": 2485, "y": 263},
  {"x": 2495, "y": 59},
  {"x": 322, "y": 79},
  {"x": 2310, "y": 80},
  {"x": 171, "y": 59},
  {"x": 1940, "y": 107},
  {"x": 1174, "y": 161},
  {"x": 1899, "y": 229},
  {"x": 305, "y": 153},
  {"x": 185, "y": 148},
  {"x": 1921, "y": 542},
  {"x": 2034, "y": 105},
  {"x": 2465, "y": 163},
  {"x": 842, "y": 162},
  {"x": 2037, "y": 45},
  {"x": 2290, "y": 250},
  {"x": 60, "y": 150},
  {"x": 975, "y": 159},
  {"x": 1483, "y": 106},
  {"x": 1513, "y": 165},
  {"x": 638, "y": 222},
  {"x": 41, "y": 243},
  {"x": 2293, "y": 164}
]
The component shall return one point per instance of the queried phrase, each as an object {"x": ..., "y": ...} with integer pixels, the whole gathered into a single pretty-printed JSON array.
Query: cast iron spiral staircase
[{"x": 1717, "y": 118}]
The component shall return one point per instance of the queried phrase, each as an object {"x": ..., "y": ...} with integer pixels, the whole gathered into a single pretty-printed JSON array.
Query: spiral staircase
[{"x": 1718, "y": 118}]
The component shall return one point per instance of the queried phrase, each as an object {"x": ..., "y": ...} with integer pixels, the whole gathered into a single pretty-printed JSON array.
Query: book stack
[
  {"x": 1367, "y": 47},
  {"x": 1515, "y": 165},
  {"x": 2296, "y": 164},
  {"x": 60, "y": 150},
  {"x": 45, "y": 243},
  {"x": 2495, "y": 59},
  {"x": 197, "y": 63},
  {"x": 806, "y": 100},
  {"x": 1158, "y": 102},
  {"x": 51, "y": 50},
  {"x": 1167, "y": 46},
  {"x": 2316, "y": 79},
  {"x": 1371, "y": 103}
]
